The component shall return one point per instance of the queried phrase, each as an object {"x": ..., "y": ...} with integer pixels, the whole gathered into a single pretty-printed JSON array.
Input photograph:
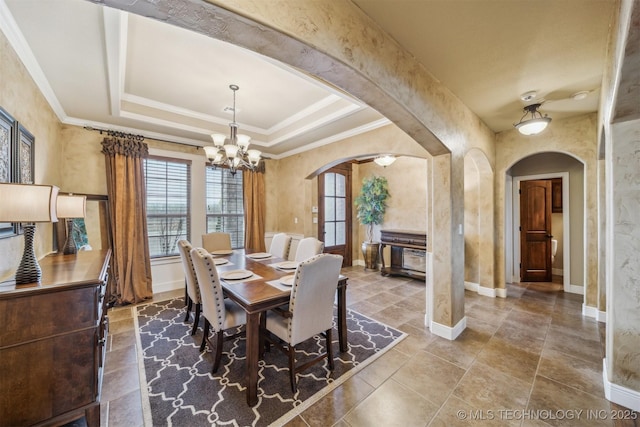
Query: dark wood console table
[
  {"x": 408, "y": 250},
  {"x": 52, "y": 343}
]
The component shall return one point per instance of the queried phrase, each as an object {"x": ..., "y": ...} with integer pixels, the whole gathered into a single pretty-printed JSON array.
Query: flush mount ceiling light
[
  {"x": 536, "y": 124},
  {"x": 385, "y": 160},
  {"x": 235, "y": 154}
]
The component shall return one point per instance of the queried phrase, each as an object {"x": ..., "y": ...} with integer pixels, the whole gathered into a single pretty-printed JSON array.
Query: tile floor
[{"x": 531, "y": 355}]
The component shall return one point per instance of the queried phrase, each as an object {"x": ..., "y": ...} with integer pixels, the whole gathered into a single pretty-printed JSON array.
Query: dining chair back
[
  {"x": 191, "y": 283},
  {"x": 280, "y": 244},
  {"x": 307, "y": 248},
  {"x": 310, "y": 310},
  {"x": 216, "y": 241},
  {"x": 219, "y": 313}
]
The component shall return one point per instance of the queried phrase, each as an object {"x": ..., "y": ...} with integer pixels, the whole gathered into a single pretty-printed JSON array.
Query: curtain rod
[{"x": 140, "y": 137}]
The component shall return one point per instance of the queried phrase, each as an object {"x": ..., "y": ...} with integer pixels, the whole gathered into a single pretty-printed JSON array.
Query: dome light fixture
[
  {"x": 536, "y": 124},
  {"x": 385, "y": 160},
  {"x": 235, "y": 154}
]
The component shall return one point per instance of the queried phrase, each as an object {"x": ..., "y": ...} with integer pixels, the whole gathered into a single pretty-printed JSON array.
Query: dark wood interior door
[
  {"x": 535, "y": 231},
  {"x": 334, "y": 211}
]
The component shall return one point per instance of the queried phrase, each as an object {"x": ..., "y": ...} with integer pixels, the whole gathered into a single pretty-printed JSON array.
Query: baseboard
[
  {"x": 167, "y": 286},
  {"x": 358, "y": 262},
  {"x": 470, "y": 286},
  {"x": 589, "y": 311},
  {"x": 501, "y": 292},
  {"x": 575, "y": 289},
  {"x": 481, "y": 290},
  {"x": 450, "y": 333},
  {"x": 601, "y": 316},
  {"x": 618, "y": 394}
]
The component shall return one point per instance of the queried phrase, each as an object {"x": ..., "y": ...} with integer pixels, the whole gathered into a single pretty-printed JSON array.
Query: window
[
  {"x": 225, "y": 209},
  {"x": 335, "y": 209},
  {"x": 168, "y": 183}
]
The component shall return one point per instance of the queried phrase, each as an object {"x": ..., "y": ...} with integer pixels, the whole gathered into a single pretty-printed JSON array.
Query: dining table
[{"x": 257, "y": 282}]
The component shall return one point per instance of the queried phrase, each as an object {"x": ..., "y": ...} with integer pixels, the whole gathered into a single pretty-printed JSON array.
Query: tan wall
[
  {"x": 291, "y": 191},
  {"x": 407, "y": 206},
  {"x": 575, "y": 136},
  {"x": 557, "y": 162},
  {"x": 21, "y": 98}
]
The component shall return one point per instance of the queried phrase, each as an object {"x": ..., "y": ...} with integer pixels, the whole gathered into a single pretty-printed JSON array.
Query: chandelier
[
  {"x": 235, "y": 154},
  {"x": 536, "y": 124}
]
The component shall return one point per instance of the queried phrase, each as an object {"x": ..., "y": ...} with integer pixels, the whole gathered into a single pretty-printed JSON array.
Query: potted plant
[{"x": 371, "y": 205}]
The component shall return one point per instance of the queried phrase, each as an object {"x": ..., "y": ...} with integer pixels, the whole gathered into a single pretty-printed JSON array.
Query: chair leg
[
  {"x": 292, "y": 368},
  {"x": 329, "y": 349},
  {"x": 220, "y": 340},
  {"x": 189, "y": 304},
  {"x": 196, "y": 319},
  {"x": 205, "y": 335}
]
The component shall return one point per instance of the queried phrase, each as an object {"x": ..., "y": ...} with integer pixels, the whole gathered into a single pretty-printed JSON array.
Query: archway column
[{"x": 445, "y": 298}]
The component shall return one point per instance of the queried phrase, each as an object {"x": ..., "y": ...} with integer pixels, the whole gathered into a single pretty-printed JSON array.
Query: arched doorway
[{"x": 568, "y": 224}]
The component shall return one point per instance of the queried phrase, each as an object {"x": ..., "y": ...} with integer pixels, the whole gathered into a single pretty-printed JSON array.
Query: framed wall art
[
  {"x": 7, "y": 127},
  {"x": 16, "y": 160},
  {"x": 24, "y": 155}
]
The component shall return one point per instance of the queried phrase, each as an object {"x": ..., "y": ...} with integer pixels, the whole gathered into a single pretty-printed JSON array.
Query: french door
[{"x": 334, "y": 211}]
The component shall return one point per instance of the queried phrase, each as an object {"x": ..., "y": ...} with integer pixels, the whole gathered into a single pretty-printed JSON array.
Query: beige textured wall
[
  {"x": 21, "y": 98},
  {"x": 471, "y": 221},
  {"x": 407, "y": 206},
  {"x": 625, "y": 269},
  {"x": 292, "y": 188},
  {"x": 575, "y": 136},
  {"x": 542, "y": 163}
]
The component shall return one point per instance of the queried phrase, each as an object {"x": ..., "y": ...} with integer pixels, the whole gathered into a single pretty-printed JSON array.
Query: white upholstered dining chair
[
  {"x": 216, "y": 241},
  {"x": 193, "y": 292},
  {"x": 310, "y": 311},
  {"x": 219, "y": 313},
  {"x": 308, "y": 247},
  {"x": 280, "y": 244}
]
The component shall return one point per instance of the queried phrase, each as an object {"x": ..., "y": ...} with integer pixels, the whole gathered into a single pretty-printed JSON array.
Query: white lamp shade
[
  {"x": 210, "y": 151},
  {"x": 71, "y": 206},
  {"x": 254, "y": 156},
  {"x": 28, "y": 203},
  {"x": 243, "y": 141},
  {"x": 533, "y": 126},
  {"x": 231, "y": 150},
  {"x": 218, "y": 139}
]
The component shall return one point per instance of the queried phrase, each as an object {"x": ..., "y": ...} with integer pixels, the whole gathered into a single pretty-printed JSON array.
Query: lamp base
[
  {"x": 29, "y": 269},
  {"x": 70, "y": 244}
]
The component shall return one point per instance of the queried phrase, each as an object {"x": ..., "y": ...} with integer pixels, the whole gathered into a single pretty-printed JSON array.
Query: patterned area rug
[{"x": 178, "y": 388}]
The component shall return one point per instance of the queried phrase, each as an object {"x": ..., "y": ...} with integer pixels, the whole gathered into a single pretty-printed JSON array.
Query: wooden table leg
[
  {"x": 253, "y": 352},
  {"x": 342, "y": 318}
]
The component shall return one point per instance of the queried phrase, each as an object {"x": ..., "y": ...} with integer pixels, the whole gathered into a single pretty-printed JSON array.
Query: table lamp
[
  {"x": 69, "y": 206},
  {"x": 28, "y": 204}
]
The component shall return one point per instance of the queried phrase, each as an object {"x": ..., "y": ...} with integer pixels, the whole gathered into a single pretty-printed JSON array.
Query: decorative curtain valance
[
  {"x": 131, "y": 263},
  {"x": 126, "y": 144}
]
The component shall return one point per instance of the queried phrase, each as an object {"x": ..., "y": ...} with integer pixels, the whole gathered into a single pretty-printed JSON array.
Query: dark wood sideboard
[
  {"x": 408, "y": 250},
  {"x": 52, "y": 343}
]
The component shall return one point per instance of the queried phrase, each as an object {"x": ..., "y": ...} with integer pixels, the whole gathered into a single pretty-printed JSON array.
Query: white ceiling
[{"x": 105, "y": 68}]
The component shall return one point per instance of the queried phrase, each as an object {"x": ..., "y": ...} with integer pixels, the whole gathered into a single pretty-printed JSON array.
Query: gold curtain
[
  {"x": 131, "y": 265},
  {"x": 254, "y": 194}
]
